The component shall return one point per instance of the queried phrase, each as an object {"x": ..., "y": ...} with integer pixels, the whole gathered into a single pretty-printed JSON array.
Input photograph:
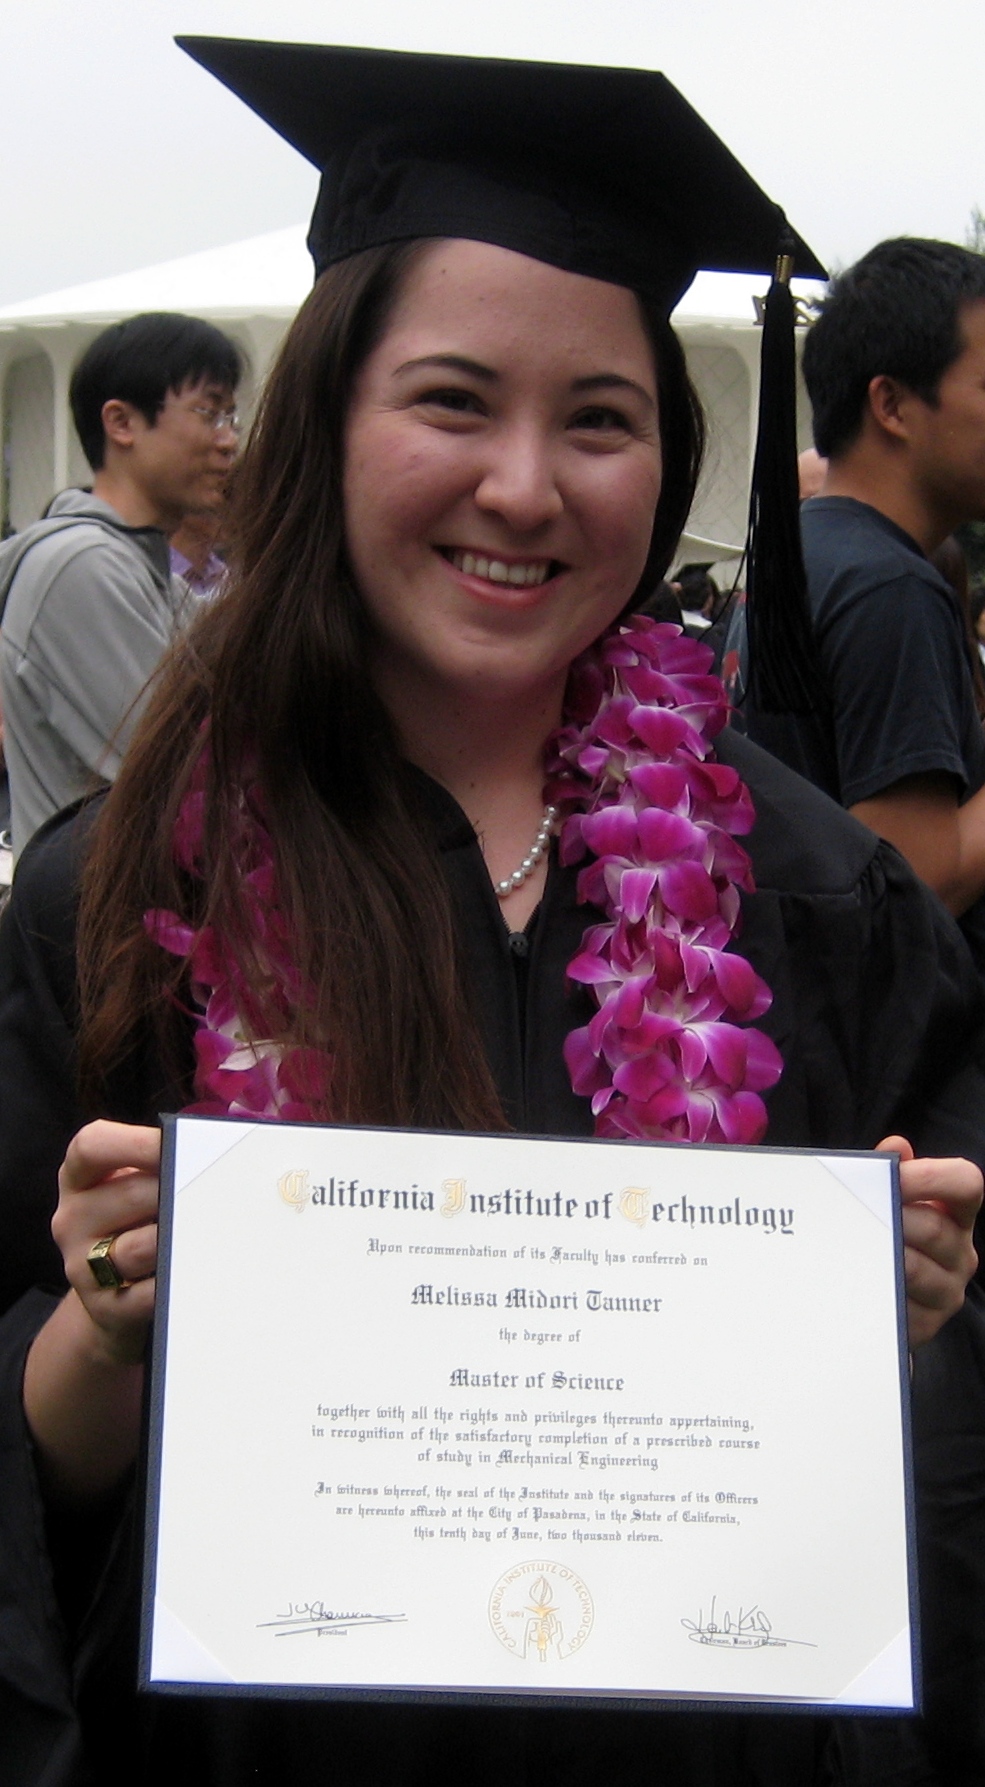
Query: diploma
[{"x": 486, "y": 1415}]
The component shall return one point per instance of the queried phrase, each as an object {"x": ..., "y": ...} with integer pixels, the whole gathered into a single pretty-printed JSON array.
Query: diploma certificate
[{"x": 485, "y": 1415}]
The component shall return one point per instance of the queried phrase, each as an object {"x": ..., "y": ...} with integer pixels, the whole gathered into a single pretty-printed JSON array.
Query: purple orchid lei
[
  {"x": 236, "y": 1074},
  {"x": 632, "y": 770}
]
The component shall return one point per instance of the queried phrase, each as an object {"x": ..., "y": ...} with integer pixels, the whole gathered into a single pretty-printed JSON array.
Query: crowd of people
[{"x": 344, "y": 677}]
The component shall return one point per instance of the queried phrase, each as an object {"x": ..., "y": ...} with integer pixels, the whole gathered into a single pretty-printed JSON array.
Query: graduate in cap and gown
[{"x": 410, "y": 815}]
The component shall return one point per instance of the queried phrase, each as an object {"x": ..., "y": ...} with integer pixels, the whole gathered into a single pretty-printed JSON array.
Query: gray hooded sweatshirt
[{"x": 89, "y": 607}]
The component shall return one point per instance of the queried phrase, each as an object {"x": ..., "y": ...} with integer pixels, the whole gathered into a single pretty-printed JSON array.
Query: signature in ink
[
  {"x": 749, "y": 1629},
  {"x": 314, "y": 1618}
]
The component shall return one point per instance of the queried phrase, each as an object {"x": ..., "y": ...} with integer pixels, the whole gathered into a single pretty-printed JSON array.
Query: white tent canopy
[
  {"x": 253, "y": 289},
  {"x": 267, "y": 275},
  {"x": 272, "y": 273}
]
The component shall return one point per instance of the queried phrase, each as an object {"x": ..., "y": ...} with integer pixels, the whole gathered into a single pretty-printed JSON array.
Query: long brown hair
[{"x": 278, "y": 670}]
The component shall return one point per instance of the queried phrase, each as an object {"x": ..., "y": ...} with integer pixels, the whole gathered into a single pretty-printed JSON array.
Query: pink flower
[
  {"x": 664, "y": 1056},
  {"x": 235, "y": 1073}
]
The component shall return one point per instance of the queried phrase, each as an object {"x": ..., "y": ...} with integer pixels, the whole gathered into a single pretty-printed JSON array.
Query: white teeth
[{"x": 495, "y": 570}]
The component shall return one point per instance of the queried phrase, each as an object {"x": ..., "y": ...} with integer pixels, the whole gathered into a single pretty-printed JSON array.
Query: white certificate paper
[{"x": 473, "y": 1415}]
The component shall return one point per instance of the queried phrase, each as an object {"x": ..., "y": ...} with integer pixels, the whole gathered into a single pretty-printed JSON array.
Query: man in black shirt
[{"x": 895, "y": 368}]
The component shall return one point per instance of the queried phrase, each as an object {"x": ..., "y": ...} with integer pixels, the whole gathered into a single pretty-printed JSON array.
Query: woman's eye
[
  {"x": 459, "y": 402},
  {"x": 601, "y": 416}
]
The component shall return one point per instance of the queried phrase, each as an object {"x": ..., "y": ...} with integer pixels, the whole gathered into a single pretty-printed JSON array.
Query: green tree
[{"x": 975, "y": 233}]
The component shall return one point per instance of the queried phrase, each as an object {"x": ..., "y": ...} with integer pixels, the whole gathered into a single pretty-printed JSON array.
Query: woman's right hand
[
  {"x": 84, "y": 1374},
  {"x": 108, "y": 1185}
]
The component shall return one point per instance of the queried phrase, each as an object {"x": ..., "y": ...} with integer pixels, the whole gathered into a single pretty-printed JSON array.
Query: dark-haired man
[
  {"x": 895, "y": 369},
  {"x": 88, "y": 601}
]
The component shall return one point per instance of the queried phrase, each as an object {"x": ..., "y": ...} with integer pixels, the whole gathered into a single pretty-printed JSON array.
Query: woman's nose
[{"x": 519, "y": 482}]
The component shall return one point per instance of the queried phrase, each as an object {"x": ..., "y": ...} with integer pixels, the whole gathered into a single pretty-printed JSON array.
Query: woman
[{"x": 321, "y": 886}]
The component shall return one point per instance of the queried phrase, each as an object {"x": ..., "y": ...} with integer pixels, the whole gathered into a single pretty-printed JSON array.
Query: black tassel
[{"x": 782, "y": 674}]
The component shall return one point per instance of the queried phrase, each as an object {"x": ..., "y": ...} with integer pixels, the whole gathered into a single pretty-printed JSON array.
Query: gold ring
[{"x": 104, "y": 1268}]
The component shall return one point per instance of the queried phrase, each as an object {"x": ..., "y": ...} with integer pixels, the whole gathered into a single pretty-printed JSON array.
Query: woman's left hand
[{"x": 941, "y": 1199}]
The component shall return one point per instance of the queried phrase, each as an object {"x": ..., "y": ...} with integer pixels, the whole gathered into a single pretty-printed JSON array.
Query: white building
[{"x": 252, "y": 290}]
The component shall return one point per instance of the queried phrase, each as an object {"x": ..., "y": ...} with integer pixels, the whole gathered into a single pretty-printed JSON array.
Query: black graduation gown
[{"x": 878, "y": 1014}]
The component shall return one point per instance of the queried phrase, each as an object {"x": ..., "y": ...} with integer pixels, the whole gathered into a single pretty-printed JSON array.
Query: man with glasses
[{"x": 87, "y": 598}]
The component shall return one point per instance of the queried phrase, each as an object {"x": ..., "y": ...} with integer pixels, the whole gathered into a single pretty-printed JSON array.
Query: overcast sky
[{"x": 863, "y": 118}]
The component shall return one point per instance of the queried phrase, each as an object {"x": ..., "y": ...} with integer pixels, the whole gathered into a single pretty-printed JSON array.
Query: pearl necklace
[{"x": 530, "y": 861}]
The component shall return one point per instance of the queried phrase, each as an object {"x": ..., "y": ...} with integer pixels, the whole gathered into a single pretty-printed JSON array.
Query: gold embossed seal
[{"x": 541, "y": 1611}]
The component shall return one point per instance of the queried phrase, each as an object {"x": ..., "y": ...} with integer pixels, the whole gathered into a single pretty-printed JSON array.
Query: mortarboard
[
  {"x": 607, "y": 172},
  {"x": 603, "y": 171}
]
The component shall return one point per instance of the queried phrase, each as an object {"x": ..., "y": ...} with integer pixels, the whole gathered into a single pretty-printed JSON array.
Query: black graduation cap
[
  {"x": 607, "y": 172},
  {"x": 603, "y": 171}
]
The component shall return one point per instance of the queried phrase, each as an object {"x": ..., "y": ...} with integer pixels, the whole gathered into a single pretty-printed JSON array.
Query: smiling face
[{"x": 502, "y": 468}]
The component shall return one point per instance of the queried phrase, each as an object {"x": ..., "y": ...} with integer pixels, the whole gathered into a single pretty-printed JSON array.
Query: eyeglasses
[{"x": 217, "y": 419}]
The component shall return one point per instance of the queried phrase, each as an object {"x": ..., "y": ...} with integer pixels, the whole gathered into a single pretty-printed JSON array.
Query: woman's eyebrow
[
  {"x": 596, "y": 381},
  {"x": 612, "y": 381},
  {"x": 450, "y": 363}
]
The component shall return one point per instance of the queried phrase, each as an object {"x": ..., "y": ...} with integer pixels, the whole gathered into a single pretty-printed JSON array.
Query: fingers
[
  {"x": 934, "y": 1291},
  {"x": 895, "y": 1144},
  {"x": 124, "y": 1203},
  {"x": 953, "y": 1188},
  {"x": 134, "y": 1252},
  {"x": 941, "y": 1199},
  {"x": 102, "y": 1148},
  {"x": 108, "y": 1186}
]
